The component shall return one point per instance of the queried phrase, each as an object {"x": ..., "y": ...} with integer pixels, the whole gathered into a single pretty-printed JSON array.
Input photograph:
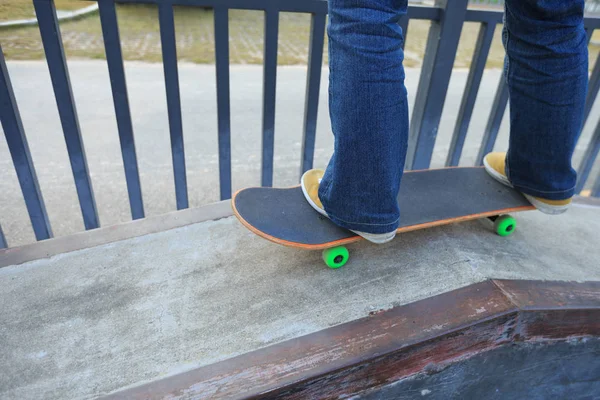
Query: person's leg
[
  {"x": 369, "y": 114},
  {"x": 547, "y": 72}
]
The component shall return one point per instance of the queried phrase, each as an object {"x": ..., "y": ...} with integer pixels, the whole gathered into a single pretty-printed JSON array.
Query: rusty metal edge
[
  {"x": 109, "y": 234},
  {"x": 586, "y": 297}
]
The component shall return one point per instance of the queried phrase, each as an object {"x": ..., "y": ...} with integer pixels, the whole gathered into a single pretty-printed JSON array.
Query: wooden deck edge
[{"x": 386, "y": 346}]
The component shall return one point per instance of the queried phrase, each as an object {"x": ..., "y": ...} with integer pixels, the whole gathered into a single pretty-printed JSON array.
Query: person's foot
[
  {"x": 495, "y": 166},
  {"x": 310, "y": 187}
]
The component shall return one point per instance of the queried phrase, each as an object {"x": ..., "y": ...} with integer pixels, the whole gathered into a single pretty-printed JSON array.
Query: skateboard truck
[{"x": 336, "y": 257}]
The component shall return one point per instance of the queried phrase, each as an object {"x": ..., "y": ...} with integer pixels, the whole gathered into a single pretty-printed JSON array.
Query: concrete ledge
[
  {"x": 385, "y": 347},
  {"x": 61, "y": 15},
  {"x": 164, "y": 222},
  {"x": 100, "y": 236}
]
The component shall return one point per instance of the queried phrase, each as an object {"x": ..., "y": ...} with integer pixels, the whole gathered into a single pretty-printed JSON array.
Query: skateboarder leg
[
  {"x": 546, "y": 69},
  {"x": 547, "y": 76}
]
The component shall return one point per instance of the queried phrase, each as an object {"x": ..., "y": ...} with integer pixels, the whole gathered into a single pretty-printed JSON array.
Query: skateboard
[{"x": 427, "y": 198}]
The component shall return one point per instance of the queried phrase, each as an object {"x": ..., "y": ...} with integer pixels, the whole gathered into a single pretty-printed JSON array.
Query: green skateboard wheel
[
  {"x": 505, "y": 225},
  {"x": 336, "y": 257}
]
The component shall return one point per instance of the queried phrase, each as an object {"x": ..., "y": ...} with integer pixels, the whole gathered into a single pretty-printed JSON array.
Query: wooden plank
[
  {"x": 558, "y": 324},
  {"x": 554, "y": 310},
  {"x": 547, "y": 295},
  {"x": 325, "y": 363}
]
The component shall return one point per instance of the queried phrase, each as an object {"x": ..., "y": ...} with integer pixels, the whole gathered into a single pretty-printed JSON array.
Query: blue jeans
[{"x": 546, "y": 70}]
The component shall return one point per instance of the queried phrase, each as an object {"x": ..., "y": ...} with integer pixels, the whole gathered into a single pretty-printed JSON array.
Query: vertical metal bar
[
  {"x": 404, "y": 26},
  {"x": 223, "y": 103},
  {"x": 269, "y": 90},
  {"x": 313, "y": 85},
  {"x": 169, "y": 54},
  {"x": 593, "y": 88},
  {"x": 493, "y": 124},
  {"x": 482, "y": 48},
  {"x": 588, "y": 34},
  {"x": 587, "y": 162},
  {"x": 596, "y": 188},
  {"x": 3, "y": 243},
  {"x": 21, "y": 156},
  {"x": 440, "y": 52},
  {"x": 114, "y": 59},
  {"x": 59, "y": 73}
]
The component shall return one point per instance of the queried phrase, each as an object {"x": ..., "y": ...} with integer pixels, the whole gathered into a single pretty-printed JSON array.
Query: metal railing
[
  {"x": 591, "y": 6},
  {"x": 440, "y": 52}
]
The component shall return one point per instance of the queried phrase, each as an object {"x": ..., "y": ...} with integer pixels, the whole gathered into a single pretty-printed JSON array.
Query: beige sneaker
[
  {"x": 495, "y": 166},
  {"x": 310, "y": 187}
]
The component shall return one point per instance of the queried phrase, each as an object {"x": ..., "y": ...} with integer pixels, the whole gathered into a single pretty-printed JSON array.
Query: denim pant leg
[
  {"x": 547, "y": 74},
  {"x": 369, "y": 114}
]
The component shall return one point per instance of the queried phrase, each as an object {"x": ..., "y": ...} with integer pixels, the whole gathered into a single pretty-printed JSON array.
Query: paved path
[{"x": 91, "y": 87}]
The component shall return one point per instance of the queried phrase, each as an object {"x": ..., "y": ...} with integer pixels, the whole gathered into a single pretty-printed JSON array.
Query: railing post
[
  {"x": 596, "y": 188},
  {"x": 271, "y": 30},
  {"x": 3, "y": 244},
  {"x": 404, "y": 26},
  {"x": 169, "y": 54},
  {"x": 313, "y": 86},
  {"x": 482, "y": 49},
  {"x": 493, "y": 124},
  {"x": 592, "y": 93},
  {"x": 21, "y": 156},
  {"x": 114, "y": 59},
  {"x": 59, "y": 73},
  {"x": 223, "y": 99},
  {"x": 440, "y": 52},
  {"x": 587, "y": 162}
]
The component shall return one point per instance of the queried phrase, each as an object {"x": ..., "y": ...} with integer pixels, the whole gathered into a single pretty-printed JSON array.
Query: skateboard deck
[{"x": 427, "y": 198}]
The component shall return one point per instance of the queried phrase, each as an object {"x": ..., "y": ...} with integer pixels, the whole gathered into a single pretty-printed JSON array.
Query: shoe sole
[
  {"x": 545, "y": 208},
  {"x": 539, "y": 205}
]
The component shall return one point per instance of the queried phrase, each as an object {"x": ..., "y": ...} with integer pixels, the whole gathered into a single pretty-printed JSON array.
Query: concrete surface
[
  {"x": 91, "y": 88},
  {"x": 89, "y": 322}
]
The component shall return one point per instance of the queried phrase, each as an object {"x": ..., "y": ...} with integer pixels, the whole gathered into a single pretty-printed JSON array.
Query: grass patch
[{"x": 23, "y": 9}]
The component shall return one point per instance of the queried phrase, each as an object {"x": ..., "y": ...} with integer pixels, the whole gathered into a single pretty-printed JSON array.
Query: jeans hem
[
  {"x": 364, "y": 227},
  {"x": 544, "y": 194},
  {"x": 554, "y": 195}
]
